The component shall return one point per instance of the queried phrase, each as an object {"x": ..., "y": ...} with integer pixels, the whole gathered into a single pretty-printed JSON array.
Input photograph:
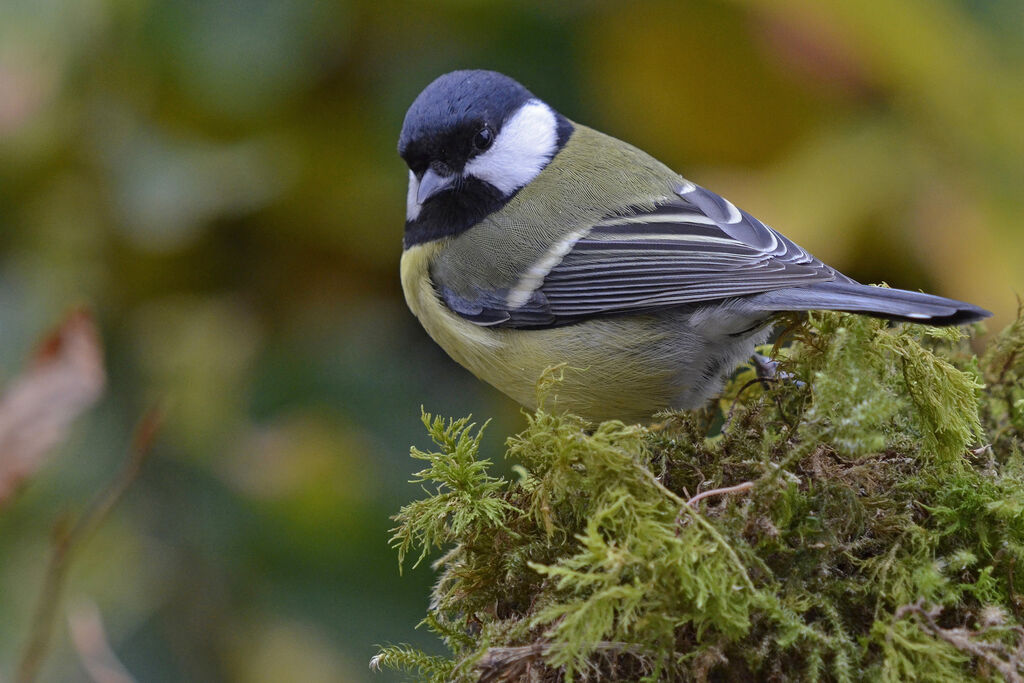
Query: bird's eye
[{"x": 483, "y": 139}]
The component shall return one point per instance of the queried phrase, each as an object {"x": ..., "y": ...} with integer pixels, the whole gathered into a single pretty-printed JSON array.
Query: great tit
[{"x": 533, "y": 241}]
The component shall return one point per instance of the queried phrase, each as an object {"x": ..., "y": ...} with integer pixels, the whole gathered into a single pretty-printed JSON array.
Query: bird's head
[{"x": 472, "y": 139}]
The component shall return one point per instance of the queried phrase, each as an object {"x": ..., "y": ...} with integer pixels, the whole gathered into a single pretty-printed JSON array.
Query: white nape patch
[
  {"x": 534, "y": 277},
  {"x": 521, "y": 150},
  {"x": 412, "y": 207}
]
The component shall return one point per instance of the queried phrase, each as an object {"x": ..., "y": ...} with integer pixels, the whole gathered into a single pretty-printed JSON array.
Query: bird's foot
[{"x": 768, "y": 370}]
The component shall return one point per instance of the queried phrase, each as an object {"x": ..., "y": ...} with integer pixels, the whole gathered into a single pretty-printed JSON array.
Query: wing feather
[{"x": 692, "y": 250}]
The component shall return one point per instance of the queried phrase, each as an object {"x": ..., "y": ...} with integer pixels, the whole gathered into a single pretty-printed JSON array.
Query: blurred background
[{"x": 218, "y": 180}]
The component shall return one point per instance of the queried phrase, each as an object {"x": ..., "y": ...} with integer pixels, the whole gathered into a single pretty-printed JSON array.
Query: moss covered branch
[{"x": 861, "y": 520}]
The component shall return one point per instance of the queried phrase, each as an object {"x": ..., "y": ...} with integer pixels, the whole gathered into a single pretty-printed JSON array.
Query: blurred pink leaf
[
  {"x": 92, "y": 645},
  {"x": 66, "y": 376}
]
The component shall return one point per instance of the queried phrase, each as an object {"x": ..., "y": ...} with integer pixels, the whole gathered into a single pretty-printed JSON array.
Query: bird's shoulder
[
  {"x": 606, "y": 229},
  {"x": 592, "y": 177}
]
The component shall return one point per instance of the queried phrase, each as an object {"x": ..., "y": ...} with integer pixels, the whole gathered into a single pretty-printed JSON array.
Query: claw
[{"x": 768, "y": 369}]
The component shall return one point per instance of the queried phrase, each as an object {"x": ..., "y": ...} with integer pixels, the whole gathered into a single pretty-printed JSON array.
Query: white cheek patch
[
  {"x": 524, "y": 146},
  {"x": 412, "y": 207}
]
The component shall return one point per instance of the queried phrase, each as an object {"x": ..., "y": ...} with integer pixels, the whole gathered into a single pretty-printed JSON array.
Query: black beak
[{"x": 431, "y": 183}]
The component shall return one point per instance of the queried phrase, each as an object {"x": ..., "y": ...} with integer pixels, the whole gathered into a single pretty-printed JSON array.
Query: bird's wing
[{"x": 692, "y": 250}]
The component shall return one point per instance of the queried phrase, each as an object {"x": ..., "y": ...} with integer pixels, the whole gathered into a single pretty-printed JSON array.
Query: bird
[{"x": 533, "y": 242}]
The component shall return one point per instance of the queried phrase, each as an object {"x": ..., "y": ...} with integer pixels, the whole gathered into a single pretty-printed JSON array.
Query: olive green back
[{"x": 593, "y": 177}]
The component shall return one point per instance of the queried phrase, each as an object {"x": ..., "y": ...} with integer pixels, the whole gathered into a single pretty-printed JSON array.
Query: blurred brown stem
[{"x": 66, "y": 542}]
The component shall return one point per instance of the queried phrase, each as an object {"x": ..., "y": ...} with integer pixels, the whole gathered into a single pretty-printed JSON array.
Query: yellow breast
[{"x": 629, "y": 381}]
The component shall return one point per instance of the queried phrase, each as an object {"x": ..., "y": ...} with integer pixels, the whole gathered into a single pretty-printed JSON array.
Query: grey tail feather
[{"x": 881, "y": 302}]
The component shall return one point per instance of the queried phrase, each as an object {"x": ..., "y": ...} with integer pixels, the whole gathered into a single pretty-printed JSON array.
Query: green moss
[{"x": 875, "y": 531}]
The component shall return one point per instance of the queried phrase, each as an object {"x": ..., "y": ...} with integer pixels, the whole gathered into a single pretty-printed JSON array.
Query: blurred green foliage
[{"x": 217, "y": 178}]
